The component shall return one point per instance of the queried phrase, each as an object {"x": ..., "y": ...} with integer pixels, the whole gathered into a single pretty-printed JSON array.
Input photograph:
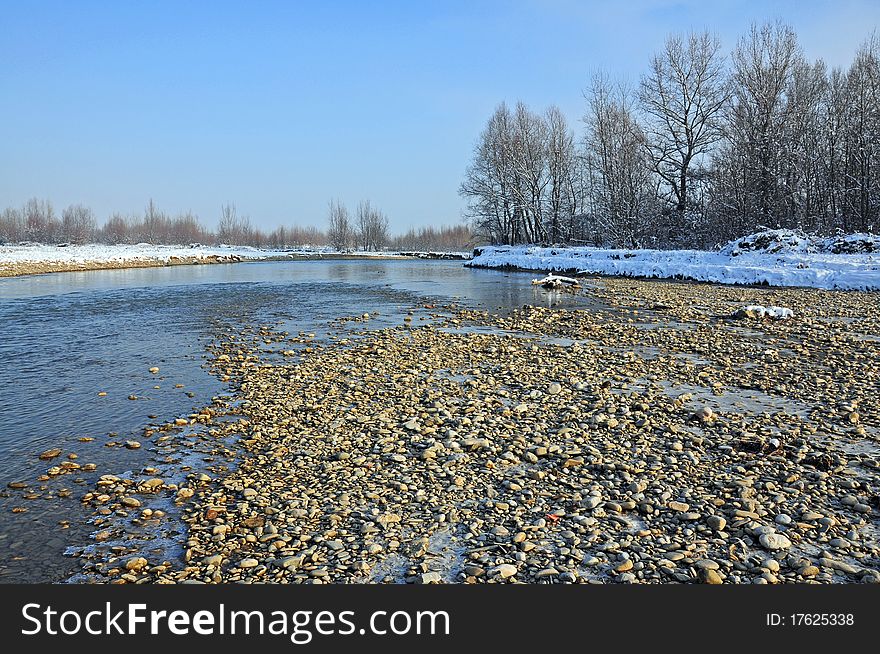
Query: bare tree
[
  {"x": 456, "y": 238},
  {"x": 116, "y": 230},
  {"x": 40, "y": 223},
  {"x": 683, "y": 96},
  {"x": 527, "y": 155},
  {"x": 11, "y": 226},
  {"x": 77, "y": 224},
  {"x": 372, "y": 227},
  {"x": 861, "y": 199},
  {"x": 804, "y": 147},
  {"x": 517, "y": 185},
  {"x": 488, "y": 181},
  {"x": 155, "y": 227},
  {"x": 563, "y": 199},
  {"x": 618, "y": 165},
  {"x": 764, "y": 61},
  {"x": 340, "y": 231},
  {"x": 185, "y": 229},
  {"x": 233, "y": 228}
]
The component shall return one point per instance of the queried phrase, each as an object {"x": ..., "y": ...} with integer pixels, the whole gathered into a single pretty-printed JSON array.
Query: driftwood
[{"x": 556, "y": 281}]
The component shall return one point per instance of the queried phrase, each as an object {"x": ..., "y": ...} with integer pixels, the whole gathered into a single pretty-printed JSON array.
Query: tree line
[
  {"x": 707, "y": 147},
  {"x": 366, "y": 229}
]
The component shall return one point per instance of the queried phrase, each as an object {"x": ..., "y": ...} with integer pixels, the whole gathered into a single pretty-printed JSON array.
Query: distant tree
[
  {"x": 11, "y": 226},
  {"x": 457, "y": 238},
  {"x": 77, "y": 224},
  {"x": 372, "y": 226},
  {"x": 155, "y": 227},
  {"x": 340, "y": 231},
  {"x": 40, "y": 223},
  {"x": 116, "y": 230},
  {"x": 233, "y": 228},
  {"x": 185, "y": 229}
]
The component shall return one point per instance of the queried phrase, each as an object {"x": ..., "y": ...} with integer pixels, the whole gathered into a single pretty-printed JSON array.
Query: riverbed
[
  {"x": 76, "y": 346},
  {"x": 412, "y": 421}
]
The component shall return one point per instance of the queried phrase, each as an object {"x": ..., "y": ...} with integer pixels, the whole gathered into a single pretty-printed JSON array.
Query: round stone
[{"x": 774, "y": 541}]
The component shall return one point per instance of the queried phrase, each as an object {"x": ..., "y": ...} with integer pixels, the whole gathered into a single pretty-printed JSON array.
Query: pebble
[
  {"x": 783, "y": 519},
  {"x": 808, "y": 571},
  {"x": 838, "y": 565},
  {"x": 772, "y": 541},
  {"x": 710, "y": 576},
  {"x": 716, "y": 522},
  {"x": 430, "y": 578},
  {"x": 506, "y": 570},
  {"x": 136, "y": 564},
  {"x": 625, "y": 566},
  {"x": 390, "y": 455}
]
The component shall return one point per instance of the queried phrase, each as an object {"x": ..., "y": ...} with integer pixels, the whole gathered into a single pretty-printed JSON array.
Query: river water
[{"x": 66, "y": 337}]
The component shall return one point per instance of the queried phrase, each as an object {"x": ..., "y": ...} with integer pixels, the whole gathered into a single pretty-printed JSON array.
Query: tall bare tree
[
  {"x": 562, "y": 170},
  {"x": 763, "y": 64},
  {"x": 683, "y": 96},
  {"x": 618, "y": 164},
  {"x": 861, "y": 206},
  {"x": 487, "y": 185}
]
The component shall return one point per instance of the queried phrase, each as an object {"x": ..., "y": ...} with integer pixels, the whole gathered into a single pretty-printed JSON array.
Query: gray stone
[{"x": 774, "y": 541}]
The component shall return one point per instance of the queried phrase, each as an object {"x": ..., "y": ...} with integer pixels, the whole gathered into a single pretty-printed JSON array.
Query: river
[{"x": 66, "y": 337}]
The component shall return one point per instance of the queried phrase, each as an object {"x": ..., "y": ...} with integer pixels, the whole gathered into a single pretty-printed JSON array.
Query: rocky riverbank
[{"x": 657, "y": 440}]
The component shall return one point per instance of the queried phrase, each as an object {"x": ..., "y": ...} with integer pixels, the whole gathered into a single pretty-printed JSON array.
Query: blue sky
[{"x": 281, "y": 106}]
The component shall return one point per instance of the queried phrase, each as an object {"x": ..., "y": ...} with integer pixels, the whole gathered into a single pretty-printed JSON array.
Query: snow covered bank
[
  {"x": 774, "y": 261},
  {"x": 73, "y": 254},
  {"x": 36, "y": 258}
]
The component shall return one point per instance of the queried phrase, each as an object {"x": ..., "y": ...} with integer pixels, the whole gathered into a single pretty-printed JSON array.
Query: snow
[
  {"x": 798, "y": 261},
  {"x": 759, "y": 311},
  {"x": 35, "y": 253},
  {"x": 81, "y": 254},
  {"x": 787, "y": 241},
  {"x": 556, "y": 281}
]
